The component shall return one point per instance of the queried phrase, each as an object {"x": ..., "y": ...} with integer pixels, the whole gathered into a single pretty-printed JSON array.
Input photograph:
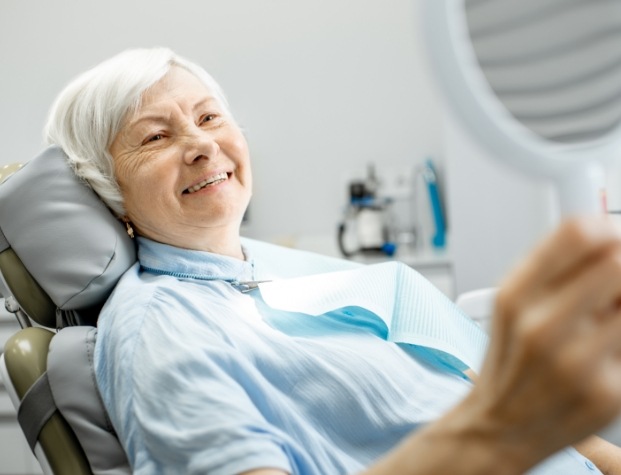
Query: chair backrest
[{"x": 61, "y": 253}]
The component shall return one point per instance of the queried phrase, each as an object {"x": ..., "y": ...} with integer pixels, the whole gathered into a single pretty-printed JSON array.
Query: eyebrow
[{"x": 163, "y": 118}]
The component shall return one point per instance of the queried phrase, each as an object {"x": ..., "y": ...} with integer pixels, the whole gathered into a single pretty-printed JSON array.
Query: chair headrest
[{"x": 66, "y": 238}]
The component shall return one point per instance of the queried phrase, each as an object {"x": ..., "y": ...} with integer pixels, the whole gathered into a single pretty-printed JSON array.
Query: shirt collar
[{"x": 159, "y": 258}]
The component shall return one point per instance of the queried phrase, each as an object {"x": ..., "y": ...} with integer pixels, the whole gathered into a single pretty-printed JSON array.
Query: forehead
[{"x": 178, "y": 84}]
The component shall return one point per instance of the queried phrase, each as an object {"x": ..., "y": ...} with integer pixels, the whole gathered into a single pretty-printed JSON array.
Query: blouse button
[{"x": 590, "y": 465}]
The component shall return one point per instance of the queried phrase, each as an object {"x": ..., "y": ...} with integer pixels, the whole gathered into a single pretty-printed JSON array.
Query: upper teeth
[{"x": 217, "y": 178}]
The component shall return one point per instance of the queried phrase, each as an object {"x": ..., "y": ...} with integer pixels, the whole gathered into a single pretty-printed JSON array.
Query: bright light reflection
[{"x": 24, "y": 346}]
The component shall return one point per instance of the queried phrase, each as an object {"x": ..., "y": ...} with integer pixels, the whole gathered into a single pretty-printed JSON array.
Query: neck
[
  {"x": 230, "y": 247},
  {"x": 219, "y": 241},
  {"x": 225, "y": 241}
]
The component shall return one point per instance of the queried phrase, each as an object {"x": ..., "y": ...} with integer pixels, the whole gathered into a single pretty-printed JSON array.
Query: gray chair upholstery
[
  {"x": 61, "y": 253},
  {"x": 71, "y": 378}
]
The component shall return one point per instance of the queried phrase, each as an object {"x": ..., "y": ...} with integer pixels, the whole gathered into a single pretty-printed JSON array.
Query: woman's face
[{"x": 182, "y": 164}]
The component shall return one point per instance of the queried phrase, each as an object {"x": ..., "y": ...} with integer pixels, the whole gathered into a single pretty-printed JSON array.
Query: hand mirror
[{"x": 538, "y": 83}]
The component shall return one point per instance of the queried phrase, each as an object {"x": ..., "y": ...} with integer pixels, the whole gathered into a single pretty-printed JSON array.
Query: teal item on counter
[{"x": 431, "y": 179}]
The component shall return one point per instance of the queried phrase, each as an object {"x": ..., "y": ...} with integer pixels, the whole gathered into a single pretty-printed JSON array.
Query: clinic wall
[
  {"x": 321, "y": 87},
  {"x": 497, "y": 214}
]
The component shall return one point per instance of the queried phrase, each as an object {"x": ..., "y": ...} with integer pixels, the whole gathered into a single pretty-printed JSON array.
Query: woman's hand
[
  {"x": 553, "y": 372},
  {"x": 552, "y": 375}
]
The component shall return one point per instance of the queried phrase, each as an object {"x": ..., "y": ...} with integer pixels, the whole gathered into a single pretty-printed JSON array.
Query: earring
[{"x": 130, "y": 230}]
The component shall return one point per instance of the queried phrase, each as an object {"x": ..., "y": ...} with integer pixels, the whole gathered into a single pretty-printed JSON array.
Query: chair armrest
[{"x": 479, "y": 305}]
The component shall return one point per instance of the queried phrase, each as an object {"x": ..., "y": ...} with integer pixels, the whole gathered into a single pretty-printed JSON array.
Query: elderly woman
[{"x": 201, "y": 377}]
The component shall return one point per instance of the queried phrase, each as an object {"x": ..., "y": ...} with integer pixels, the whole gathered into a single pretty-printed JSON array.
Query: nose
[{"x": 200, "y": 145}]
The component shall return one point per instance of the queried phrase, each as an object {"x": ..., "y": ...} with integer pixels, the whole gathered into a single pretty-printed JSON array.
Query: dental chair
[{"x": 61, "y": 253}]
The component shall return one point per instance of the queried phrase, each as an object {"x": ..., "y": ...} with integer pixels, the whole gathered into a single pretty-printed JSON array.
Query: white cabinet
[{"x": 15, "y": 455}]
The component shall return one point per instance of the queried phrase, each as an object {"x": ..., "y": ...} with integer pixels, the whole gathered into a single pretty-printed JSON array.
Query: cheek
[
  {"x": 150, "y": 183},
  {"x": 142, "y": 185},
  {"x": 147, "y": 203},
  {"x": 238, "y": 147},
  {"x": 243, "y": 160},
  {"x": 126, "y": 168}
]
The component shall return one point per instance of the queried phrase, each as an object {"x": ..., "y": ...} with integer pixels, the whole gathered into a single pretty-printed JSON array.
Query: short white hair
[{"x": 88, "y": 113}]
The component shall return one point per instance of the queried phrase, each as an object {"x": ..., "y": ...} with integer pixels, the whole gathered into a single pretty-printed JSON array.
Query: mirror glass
[
  {"x": 537, "y": 83},
  {"x": 555, "y": 66}
]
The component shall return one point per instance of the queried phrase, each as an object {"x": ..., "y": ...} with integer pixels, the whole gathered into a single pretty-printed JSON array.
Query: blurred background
[
  {"x": 330, "y": 93},
  {"x": 346, "y": 127},
  {"x": 322, "y": 88}
]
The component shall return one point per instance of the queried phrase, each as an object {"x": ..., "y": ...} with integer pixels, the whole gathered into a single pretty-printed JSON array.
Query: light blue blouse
[{"x": 199, "y": 377}]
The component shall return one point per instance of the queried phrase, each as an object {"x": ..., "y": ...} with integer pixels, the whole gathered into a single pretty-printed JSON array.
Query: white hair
[{"x": 88, "y": 113}]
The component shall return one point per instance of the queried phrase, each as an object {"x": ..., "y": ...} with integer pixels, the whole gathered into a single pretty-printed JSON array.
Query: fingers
[
  {"x": 556, "y": 337},
  {"x": 607, "y": 338},
  {"x": 570, "y": 311},
  {"x": 574, "y": 273},
  {"x": 574, "y": 242},
  {"x": 597, "y": 373},
  {"x": 594, "y": 289}
]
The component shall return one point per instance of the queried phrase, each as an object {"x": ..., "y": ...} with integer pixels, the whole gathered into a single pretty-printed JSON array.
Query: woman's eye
[
  {"x": 154, "y": 138},
  {"x": 208, "y": 118}
]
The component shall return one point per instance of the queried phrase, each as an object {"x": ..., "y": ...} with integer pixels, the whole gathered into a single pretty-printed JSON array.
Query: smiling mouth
[{"x": 214, "y": 180}]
